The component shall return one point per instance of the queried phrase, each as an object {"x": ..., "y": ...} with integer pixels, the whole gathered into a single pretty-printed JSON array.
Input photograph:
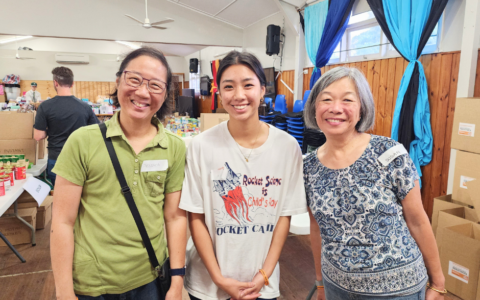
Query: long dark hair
[
  {"x": 242, "y": 58},
  {"x": 167, "y": 105}
]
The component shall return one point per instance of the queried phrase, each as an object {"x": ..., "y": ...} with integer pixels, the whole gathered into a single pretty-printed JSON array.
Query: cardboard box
[
  {"x": 24, "y": 201},
  {"x": 15, "y": 231},
  {"x": 16, "y": 125},
  {"x": 453, "y": 217},
  {"x": 207, "y": 121},
  {"x": 467, "y": 168},
  {"x": 41, "y": 149},
  {"x": 443, "y": 203},
  {"x": 466, "y": 125},
  {"x": 44, "y": 213},
  {"x": 27, "y": 147},
  {"x": 460, "y": 260}
]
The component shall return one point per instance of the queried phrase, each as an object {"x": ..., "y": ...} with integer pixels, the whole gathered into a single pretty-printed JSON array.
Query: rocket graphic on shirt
[{"x": 242, "y": 211}]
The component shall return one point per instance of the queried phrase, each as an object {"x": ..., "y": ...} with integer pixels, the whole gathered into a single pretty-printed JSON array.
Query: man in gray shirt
[{"x": 58, "y": 117}]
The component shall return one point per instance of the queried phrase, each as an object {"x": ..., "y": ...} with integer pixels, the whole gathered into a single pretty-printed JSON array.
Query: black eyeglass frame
[{"x": 143, "y": 79}]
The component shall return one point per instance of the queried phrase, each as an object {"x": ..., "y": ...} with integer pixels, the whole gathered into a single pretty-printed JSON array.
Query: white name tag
[
  {"x": 392, "y": 153},
  {"x": 154, "y": 165}
]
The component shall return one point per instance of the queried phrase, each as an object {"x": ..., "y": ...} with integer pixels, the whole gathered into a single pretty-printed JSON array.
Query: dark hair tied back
[
  {"x": 167, "y": 105},
  {"x": 242, "y": 58}
]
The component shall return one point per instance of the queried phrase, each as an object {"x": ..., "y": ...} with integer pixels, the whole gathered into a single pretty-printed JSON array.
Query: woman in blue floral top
[{"x": 370, "y": 236}]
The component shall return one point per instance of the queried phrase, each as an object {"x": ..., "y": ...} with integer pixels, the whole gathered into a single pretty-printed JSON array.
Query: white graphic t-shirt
[{"x": 242, "y": 202}]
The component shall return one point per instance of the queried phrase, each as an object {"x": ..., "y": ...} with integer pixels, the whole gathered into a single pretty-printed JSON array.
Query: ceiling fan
[{"x": 147, "y": 24}]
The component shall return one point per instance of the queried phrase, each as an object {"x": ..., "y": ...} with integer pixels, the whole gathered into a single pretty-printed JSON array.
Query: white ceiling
[
  {"x": 106, "y": 20},
  {"x": 240, "y": 13},
  {"x": 93, "y": 46}
]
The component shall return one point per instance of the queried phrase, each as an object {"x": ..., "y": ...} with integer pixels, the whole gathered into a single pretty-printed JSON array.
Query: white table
[
  {"x": 5, "y": 202},
  {"x": 39, "y": 168}
]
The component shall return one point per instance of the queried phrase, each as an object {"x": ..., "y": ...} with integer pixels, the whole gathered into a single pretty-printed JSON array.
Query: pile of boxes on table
[
  {"x": 38, "y": 216},
  {"x": 16, "y": 136},
  {"x": 456, "y": 217}
]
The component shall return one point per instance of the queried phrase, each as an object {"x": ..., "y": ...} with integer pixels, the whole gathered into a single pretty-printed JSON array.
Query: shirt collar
[{"x": 114, "y": 129}]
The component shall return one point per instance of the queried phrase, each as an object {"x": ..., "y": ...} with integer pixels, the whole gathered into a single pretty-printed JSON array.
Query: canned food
[
  {"x": 21, "y": 156},
  {"x": 11, "y": 175},
  {"x": 20, "y": 172},
  {"x": 6, "y": 183},
  {"x": 2, "y": 187}
]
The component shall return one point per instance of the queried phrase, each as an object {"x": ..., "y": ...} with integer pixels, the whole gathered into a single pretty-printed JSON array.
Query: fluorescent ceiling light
[
  {"x": 17, "y": 38},
  {"x": 129, "y": 44}
]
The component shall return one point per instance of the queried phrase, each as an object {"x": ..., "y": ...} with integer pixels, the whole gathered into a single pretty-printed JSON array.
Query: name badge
[
  {"x": 154, "y": 165},
  {"x": 392, "y": 153}
]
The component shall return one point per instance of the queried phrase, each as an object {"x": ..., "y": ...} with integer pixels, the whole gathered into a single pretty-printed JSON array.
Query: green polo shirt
[{"x": 109, "y": 256}]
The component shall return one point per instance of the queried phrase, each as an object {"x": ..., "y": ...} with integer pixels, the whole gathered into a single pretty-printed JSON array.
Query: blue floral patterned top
[{"x": 366, "y": 245}]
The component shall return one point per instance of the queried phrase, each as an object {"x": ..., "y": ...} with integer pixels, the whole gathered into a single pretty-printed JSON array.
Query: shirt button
[
  {"x": 158, "y": 177},
  {"x": 136, "y": 160},
  {"x": 134, "y": 183},
  {"x": 136, "y": 171}
]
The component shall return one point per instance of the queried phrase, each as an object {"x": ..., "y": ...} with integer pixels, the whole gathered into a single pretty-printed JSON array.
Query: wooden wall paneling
[
  {"x": 112, "y": 86},
  {"x": 439, "y": 133},
  {"x": 476, "y": 91},
  {"x": 449, "y": 121},
  {"x": 433, "y": 93},
  {"x": 426, "y": 170},
  {"x": 358, "y": 65},
  {"x": 382, "y": 96},
  {"x": 364, "y": 68},
  {"x": 375, "y": 89},
  {"x": 389, "y": 98}
]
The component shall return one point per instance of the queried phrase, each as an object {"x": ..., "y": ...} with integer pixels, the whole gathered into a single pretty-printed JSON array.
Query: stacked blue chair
[
  {"x": 280, "y": 121},
  {"x": 281, "y": 104},
  {"x": 305, "y": 97},
  {"x": 298, "y": 106},
  {"x": 268, "y": 102},
  {"x": 296, "y": 126}
]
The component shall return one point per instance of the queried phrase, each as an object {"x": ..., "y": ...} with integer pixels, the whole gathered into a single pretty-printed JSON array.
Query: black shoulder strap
[{"x": 129, "y": 197}]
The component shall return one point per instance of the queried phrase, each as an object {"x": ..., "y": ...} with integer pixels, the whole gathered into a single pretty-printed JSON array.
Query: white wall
[
  {"x": 102, "y": 67},
  {"x": 255, "y": 38},
  {"x": 205, "y": 56},
  {"x": 454, "y": 15}
]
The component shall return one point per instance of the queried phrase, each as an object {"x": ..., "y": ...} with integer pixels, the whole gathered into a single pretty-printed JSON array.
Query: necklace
[{"x": 251, "y": 150}]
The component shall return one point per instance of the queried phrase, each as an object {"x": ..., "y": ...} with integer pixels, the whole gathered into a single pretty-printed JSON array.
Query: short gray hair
[{"x": 367, "y": 108}]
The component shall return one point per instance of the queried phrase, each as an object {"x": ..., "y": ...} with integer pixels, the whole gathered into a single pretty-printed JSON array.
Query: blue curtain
[
  {"x": 315, "y": 17},
  {"x": 335, "y": 25},
  {"x": 406, "y": 20}
]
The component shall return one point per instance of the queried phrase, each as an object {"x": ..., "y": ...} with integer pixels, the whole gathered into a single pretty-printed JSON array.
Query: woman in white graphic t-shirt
[{"x": 243, "y": 182}]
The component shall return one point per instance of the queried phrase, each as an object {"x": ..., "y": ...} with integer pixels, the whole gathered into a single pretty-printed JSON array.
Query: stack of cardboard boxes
[
  {"x": 16, "y": 136},
  {"x": 456, "y": 217},
  {"x": 38, "y": 216}
]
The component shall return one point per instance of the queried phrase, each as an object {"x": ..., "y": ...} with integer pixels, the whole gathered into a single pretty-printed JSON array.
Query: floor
[{"x": 33, "y": 280}]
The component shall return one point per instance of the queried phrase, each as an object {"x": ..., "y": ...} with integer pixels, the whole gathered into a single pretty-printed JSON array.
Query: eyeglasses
[{"x": 136, "y": 80}]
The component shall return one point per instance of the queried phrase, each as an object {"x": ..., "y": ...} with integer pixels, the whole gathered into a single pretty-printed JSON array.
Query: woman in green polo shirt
[{"x": 96, "y": 247}]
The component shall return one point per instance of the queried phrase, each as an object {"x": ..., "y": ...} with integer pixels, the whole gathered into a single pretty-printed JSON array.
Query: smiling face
[
  {"x": 138, "y": 102},
  {"x": 338, "y": 108},
  {"x": 240, "y": 91}
]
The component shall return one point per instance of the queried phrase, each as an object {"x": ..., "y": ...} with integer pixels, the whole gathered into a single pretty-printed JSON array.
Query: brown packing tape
[{"x": 474, "y": 191}]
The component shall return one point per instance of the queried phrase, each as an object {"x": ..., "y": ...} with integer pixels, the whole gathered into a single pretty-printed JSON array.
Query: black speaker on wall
[
  {"x": 273, "y": 39},
  {"x": 193, "y": 65}
]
